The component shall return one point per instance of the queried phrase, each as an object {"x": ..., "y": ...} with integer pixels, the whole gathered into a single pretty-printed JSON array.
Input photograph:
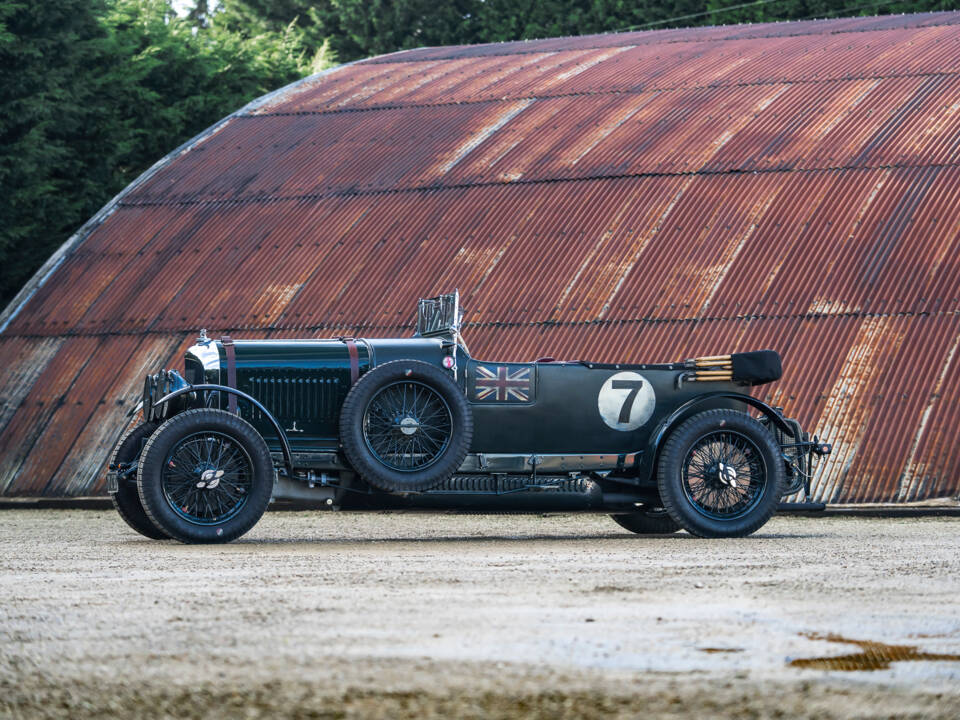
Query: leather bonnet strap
[
  {"x": 228, "y": 348},
  {"x": 354, "y": 359}
]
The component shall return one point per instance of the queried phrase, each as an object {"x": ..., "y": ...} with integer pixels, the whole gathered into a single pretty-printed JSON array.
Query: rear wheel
[
  {"x": 126, "y": 499},
  {"x": 720, "y": 474},
  {"x": 405, "y": 426},
  {"x": 205, "y": 476},
  {"x": 647, "y": 521}
]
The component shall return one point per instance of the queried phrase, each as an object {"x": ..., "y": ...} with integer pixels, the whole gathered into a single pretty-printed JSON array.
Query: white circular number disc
[{"x": 626, "y": 401}]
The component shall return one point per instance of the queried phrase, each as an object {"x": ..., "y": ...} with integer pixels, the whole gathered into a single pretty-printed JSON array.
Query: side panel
[
  {"x": 572, "y": 408},
  {"x": 302, "y": 383},
  {"x": 428, "y": 350}
]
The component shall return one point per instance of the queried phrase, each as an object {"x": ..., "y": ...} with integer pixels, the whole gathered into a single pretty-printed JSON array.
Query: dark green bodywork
[
  {"x": 547, "y": 436},
  {"x": 563, "y": 416},
  {"x": 303, "y": 383}
]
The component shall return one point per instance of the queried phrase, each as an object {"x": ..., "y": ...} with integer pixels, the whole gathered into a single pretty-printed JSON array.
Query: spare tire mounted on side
[{"x": 406, "y": 426}]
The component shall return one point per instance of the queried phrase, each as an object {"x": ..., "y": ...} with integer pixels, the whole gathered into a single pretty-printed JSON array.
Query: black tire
[
  {"x": 720, "y": 474},
  {"x": 386, "y": 437},
  {"x": 198, "y": 447},
  {"x": 647, "y": 521},
  {"x": 126, "y": 499}
]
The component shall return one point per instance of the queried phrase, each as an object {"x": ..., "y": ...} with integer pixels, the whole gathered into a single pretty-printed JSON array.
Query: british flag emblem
[{"x": 502, "y": 383}]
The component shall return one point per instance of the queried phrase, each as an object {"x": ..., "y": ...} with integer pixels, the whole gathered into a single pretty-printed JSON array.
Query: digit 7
[{"x": 634, "y": 387}]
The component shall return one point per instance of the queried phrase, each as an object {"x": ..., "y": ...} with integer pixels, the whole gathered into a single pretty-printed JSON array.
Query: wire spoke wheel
[
  {"x": 207, "y": 478},
  {"x": 724, "y": 475},
  {"x": 407, "y": 426}
]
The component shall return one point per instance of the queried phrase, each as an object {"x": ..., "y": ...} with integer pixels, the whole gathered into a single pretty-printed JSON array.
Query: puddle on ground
[
  {"x": 720, "y": 650},
  {"x": 872, "y": 655}
]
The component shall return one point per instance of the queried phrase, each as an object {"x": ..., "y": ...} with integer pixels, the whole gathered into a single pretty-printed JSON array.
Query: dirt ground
[{"x": 330, "y": 615}]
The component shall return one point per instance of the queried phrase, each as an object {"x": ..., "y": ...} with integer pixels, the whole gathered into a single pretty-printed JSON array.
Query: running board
[{"x": 523, "y": 464}]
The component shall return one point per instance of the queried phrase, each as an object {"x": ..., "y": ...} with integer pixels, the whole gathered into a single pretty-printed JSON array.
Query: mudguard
[
  {"x": 657, "y": 437},
  {"x": 284, "y": 440}
]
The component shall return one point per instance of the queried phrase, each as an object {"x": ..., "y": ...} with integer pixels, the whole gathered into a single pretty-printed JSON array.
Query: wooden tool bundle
[{"x": 713, "y": 367}]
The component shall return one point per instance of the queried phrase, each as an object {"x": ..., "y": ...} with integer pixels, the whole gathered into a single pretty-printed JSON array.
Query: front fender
[{"x": 284, "y": 441}]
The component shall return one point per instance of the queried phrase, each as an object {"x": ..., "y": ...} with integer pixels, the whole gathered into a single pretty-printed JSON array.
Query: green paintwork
[
  {"x": 303, "y": 383},
  {"x": 563, "y": 415}
]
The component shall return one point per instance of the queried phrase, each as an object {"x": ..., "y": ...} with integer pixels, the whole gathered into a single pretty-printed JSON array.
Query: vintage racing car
[{"x": 419, "y": 424}]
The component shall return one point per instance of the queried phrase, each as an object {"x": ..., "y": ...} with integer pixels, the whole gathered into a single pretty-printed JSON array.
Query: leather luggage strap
[{"x": 227, "y": 343}]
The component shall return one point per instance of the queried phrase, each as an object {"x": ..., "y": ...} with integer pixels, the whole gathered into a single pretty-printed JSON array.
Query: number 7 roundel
[{"x": 626, "y": 401}]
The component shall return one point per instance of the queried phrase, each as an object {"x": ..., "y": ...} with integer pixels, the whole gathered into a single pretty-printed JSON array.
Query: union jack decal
[{"x": 503, "y": 383}]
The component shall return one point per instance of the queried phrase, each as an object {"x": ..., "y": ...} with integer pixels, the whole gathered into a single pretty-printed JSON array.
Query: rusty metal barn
[{"x": 645, "y": 196}]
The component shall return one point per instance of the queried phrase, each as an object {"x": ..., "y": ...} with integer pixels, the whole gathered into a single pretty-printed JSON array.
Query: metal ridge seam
[
  {"x": 599, "y": 93},
  {"x": 535, "y": 181},
  {"x": 376, "y": 60},
  {"x": 919, "y": 314}
]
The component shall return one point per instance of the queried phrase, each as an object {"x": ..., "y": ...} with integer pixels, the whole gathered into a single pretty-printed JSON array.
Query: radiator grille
[{"x": 305, "y": 399}]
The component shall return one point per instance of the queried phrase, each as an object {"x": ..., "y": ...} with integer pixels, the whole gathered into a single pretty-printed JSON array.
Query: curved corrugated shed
[{"x": 629, "y": 197}]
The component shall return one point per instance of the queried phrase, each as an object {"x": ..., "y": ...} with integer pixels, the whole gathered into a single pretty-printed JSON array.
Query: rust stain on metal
[
  {"x": 603, "y": 129},
  {"x": 586, "y": 65},
  {"x": 713, "y": 275},
  {"x": 847, "y": 404},
  {"x": 915, "y": 472},
  {"x": 472, "y": 142},
  {"x": 655, "y": 228},
  {"x": 25, "y": 360}
]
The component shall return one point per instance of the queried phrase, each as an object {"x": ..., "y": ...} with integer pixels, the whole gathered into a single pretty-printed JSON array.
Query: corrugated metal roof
[{"x": 628, "y": 197}]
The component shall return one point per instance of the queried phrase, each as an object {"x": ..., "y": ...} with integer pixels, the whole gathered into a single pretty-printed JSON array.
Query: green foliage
[
  {"x": 360, "y": 28},
  {"x": 47, "y": 120},
  {"x": 93, "y": 92},
  {"x": 173, "y": 80}
]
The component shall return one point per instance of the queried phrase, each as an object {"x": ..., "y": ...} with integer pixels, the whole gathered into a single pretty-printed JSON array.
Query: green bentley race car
[{"x": 419, "y": 424}]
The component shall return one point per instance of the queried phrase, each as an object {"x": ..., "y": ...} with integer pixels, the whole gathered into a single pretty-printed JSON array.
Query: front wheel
[
  {"x": 720, "y": 474},
  {"x": 126, "y": 499},
  {"x": 205, "y": 476}
]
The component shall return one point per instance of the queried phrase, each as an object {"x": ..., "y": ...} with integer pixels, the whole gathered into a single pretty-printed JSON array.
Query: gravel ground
[{"x": 394, "y": 616}]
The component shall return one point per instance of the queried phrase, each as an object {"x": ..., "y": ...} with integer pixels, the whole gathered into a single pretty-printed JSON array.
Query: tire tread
[
  {"x": 677, "y": 445},
  {"x": 126, "y": 501},
  {"x": 242, "y": 427},
  {"x": 351, "y": 418},
  {"x": 643, "y": 524}
]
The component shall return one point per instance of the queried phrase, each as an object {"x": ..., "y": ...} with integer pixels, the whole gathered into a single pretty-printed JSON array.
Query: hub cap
[
  {"x": 407, "y": 426},
  {"x": 207, "y": 478},
  {"x": 724, "y": 475}
]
